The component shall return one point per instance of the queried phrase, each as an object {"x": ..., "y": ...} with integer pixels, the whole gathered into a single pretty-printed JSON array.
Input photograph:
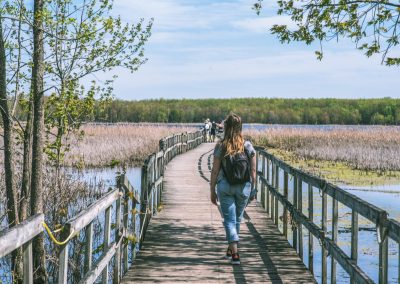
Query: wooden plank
[
  {"x": 186, "y": 240},
  {"x": 347, "y": 263},
  {"x": 86, "y": 216},
  {"x": 100, "y": 266},
  {"x": 126, "y": 185},
  {"x": 15, "y": 237},
  {"x": 393, "y": 227}
]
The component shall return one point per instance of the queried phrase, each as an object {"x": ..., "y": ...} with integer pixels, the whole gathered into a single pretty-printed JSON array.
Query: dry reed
[
  {"x": 105, "y": 145},
  {"x": 369, "y": 148}
]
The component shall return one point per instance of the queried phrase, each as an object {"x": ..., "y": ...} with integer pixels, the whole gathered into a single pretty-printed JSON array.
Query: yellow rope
[{"x": 53, "y": 238}]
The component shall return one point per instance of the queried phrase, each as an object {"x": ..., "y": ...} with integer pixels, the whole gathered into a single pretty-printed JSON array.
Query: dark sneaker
[
  {"x": 228, "y": 253},
  {"x": 235, "y": 259}
]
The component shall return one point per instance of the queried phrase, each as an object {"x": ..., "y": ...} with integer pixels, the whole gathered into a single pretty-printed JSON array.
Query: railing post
[
  {"x": 267, "y": 195},
  {"x": 354, "y": 239},
  {"x": 143, "y": 199},
  {"x": 88, "y": 247},
  {"x": 300, "y": 208},
  {"x": 134, "y": 225},
  {"x": 117, "y": 258},
  {"x": 310, "y": 235},
  {"x": 276, "y": 215},
  {"x": 107, "y": 235},
  {"x": 324, "y": 229},
  {"x": 285, "y": 211},
  {"x": 63, "y": 259},
  {"x": 262, "y": 189},
  {"x": 125, "y": 229},
  {"x": 398, "y": 266},
  {"x": 28, "y": 263},
  {"x": 272, "y": 195},
  {"x": 257, "y": 163},
  {"x": 295, "y": 196},
  {"x": 334, "y": 236},
  {"x": 383, "y": 256}
]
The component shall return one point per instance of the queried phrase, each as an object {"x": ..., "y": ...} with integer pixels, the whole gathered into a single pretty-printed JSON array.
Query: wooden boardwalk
[{"x": 185, "y": 242}]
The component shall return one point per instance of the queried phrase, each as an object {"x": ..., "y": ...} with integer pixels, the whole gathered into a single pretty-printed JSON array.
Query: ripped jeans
[{"x": 233, "y": 200}]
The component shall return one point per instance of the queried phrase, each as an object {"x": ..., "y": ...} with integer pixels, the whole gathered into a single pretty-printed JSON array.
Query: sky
[{"x": 222, "y": 49}]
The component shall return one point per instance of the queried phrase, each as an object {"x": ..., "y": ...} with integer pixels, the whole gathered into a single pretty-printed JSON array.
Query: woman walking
[{"x": 233, "y": 180}]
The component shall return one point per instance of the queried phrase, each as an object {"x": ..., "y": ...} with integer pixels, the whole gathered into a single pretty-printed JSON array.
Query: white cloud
[
  {"x": 342, "y": 72},
  {"x": 262, "y": 25},
  {"x": 216, "y": 49}
]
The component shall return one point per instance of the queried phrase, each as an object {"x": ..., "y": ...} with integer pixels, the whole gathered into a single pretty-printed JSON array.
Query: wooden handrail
[
  {"x": 271, "y": 197},
  {"x": 123, "y": 198}
]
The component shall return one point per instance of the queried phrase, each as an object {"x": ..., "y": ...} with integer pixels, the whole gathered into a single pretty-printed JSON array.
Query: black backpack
[{"x": 237, "y": 168}]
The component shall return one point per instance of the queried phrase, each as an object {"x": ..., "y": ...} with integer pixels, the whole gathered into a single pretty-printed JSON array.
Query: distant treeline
[{"x": 256, "y": 110}]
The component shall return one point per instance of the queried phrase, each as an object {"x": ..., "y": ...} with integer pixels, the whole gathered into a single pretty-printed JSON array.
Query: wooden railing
[
  {"x": 274, "y": 194},
  {"x": 153, "y": 171},
  {"x": 122, "y": 201}
]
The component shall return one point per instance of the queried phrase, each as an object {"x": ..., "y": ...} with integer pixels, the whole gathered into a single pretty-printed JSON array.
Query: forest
[{"x": 385, "y": 111}]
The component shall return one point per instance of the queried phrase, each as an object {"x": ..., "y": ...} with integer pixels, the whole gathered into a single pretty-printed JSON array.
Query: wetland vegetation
[{"x": 350, "y": 155}]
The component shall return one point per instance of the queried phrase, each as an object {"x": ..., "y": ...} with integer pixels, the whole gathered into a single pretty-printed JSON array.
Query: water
[{"x": 108, "y": 176}]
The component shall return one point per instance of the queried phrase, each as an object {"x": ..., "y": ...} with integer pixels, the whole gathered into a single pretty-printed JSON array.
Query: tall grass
[
  {"x": 105, "y": 145},
  {"x": 371, "y": 148}
]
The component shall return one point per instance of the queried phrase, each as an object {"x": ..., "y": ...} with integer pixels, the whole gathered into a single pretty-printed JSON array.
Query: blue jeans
[{"x": 233, "y": 200}]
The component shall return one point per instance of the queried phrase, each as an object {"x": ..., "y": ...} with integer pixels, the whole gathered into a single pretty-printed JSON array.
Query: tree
[
  {"x": 36, "y": 197},
  {"x": 371, "y": 24},
  {"x": 63, "y": 42},
  {"x": 84, "y": 39}
]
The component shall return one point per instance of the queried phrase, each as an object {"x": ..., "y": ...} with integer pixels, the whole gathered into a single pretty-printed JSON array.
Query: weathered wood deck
[{"x": 185, "y": 242}]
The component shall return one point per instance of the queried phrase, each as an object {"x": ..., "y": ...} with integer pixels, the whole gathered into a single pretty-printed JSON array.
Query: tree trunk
[
  {"x": 12, "y": 211},
  {"x": 26, "y": 167},
  {"x": 37, "y": 135}
]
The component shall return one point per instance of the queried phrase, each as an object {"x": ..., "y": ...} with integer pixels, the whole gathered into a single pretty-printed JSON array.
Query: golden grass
[
  {"x": 105, "y": 145},
  {"x": 344, "y": 154}
]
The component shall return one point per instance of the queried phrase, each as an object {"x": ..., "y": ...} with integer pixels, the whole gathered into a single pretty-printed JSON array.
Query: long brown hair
[{"x": 233, "y": 141}]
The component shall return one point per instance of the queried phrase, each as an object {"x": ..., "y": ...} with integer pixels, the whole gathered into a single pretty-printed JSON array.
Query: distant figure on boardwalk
[
  {"x": 233, "y": 190},
  {"x": 213, "y": 131},
  {"x": 206, "y": 130}
]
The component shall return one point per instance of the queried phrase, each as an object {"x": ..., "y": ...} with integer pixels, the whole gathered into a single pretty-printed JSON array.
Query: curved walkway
[{"x": 185, "y": 242}]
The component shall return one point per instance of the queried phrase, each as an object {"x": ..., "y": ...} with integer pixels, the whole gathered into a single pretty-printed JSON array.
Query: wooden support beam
[{"x": 310, "y": 235}]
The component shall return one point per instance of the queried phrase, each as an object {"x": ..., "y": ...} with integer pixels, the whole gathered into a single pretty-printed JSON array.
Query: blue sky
[{"x": 222, "y": 49}]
